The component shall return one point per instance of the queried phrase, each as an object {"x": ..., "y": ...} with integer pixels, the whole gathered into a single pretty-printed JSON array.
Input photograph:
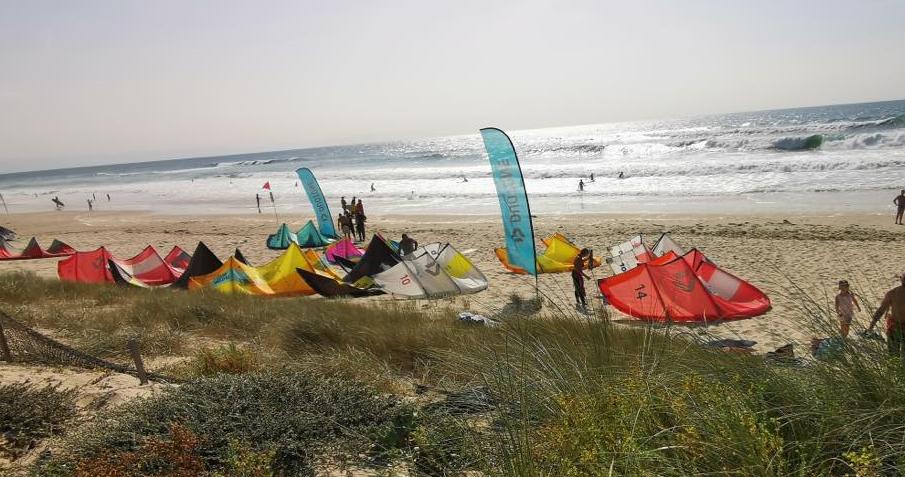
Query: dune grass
[{"x": 530, "y": 397}]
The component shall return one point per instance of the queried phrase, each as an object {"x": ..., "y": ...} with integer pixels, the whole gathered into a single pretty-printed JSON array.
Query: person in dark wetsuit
[
  {"x": 360, "y": 219},
  {"x": 578, "y": 277},
  {"x": 580, "y": 185},
  {"x": 900, "y": 207},
  {"x": 894, "y": 302},
  {"x": 407, "y": 245}
]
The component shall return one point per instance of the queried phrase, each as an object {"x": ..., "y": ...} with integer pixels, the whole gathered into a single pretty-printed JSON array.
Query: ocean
[{"x": 830, "y": 159}]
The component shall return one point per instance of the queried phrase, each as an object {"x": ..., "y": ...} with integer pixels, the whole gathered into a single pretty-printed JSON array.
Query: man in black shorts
[{"x": 900, "y": 207}]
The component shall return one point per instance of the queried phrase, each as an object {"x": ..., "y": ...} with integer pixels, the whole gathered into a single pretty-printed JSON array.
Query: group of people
[
  {"x": 352, "y": 219},
  {"x": 892, "y": 307},
  {"x": 581, "y": 182}
]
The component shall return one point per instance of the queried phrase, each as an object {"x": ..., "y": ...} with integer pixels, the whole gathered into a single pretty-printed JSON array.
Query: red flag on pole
[{"x": 267, "y": 185}]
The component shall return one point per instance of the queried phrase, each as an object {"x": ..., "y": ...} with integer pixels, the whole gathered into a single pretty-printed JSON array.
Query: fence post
[
  {"x": 4, "y": 347},
  {"x": 139, "y": 364}
]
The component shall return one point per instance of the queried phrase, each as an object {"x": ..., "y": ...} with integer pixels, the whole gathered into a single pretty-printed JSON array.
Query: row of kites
[{"x": 656, "y": 282}]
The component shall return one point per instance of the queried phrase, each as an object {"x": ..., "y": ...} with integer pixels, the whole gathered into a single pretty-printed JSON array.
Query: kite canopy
[
  {"x": 332, "y": 288},
  {"x": 378, "y": 257},
  {"x": 278, "y": 277},
  {"x": 628, "y": 255},
  {"x": 99, "y": 266},
  {"x": 86, "y": 267},
  {"x": 557, "y": 258},
  {"x": 7, "y": 234},
  {"x": 233, "y": 277},
  {"x": 432, "y": 271},
  {"x": 281, "y": 239},
  {"x": 203, "y": 262},
  {"x": 309, "y": 237},
  {"x": 178, "y": 258},
  {"x": 34, "y": 251},
  {"x": 684, "y": 289},
  {"x": 345, "y": 249}
]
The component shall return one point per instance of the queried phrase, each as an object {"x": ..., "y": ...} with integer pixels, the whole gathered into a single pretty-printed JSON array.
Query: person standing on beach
[
  {"x": 258, "y": 199},
  {"x": 580, "y": 185},
  {"x": 90, "y": 205},
  {"x": 894, "y": 301},
  {"x": 407, "y": 245},
  {"x": 846, "y": 302},
  {"x": 342, "y": 201},
  {"x": 360, "y": 220},
  {"x": 900, "y": 206},
  {"x": 578, "y": 277},
  {"x": 108, "y": 197},
  {"x": 345, "y": 224}
]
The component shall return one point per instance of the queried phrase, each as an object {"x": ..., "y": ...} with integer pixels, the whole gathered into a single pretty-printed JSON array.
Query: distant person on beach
[
  {"x": 846, "y": 302},
  {"x": 360, "y": 220},
  {"x": 407, "y": 245},
  {"x": 90, "y": 205},
  {"x": 56, "y": 202},
  {"x": 592, "y": 177},
  {"x": 258, "y": 199},
  {"x": 345, "y": 224},
  {"x": 412, "y": 196},
  {"x": 342, "y": 201},
  {"x": 578, "y": 277},
  {"x": 894, "y": 301},
  {"x": 108, "y": 197},
  {"x": 900, "y": 206},
  {"x": 580, "y": 185},
  {"x": 93, "y": 196},
  {"x": 372, "y": 187}
]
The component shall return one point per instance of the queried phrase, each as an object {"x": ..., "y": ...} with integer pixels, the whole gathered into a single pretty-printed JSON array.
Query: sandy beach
[{"x": 776, "y": 253}]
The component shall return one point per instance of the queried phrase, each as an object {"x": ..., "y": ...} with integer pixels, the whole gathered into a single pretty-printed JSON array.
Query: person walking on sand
[
  {"x": 407, "y": 245},
  {"x": 258, "y": 199},
  {"x": 894, "y": 302},
  {"x": 360, "y": 220},
  {"x": 345, "y": 224},
  {"x": 578, "y": 277},
  {"x": 846, "y": 302},
  {"x": 580, "y": 185},
  {"x": 900, "y": 206}
]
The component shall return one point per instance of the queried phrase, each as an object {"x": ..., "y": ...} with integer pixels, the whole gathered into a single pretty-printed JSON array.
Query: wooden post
[
  {"x": 139, "y": 364},
  {"x": 4, "y": 347}
]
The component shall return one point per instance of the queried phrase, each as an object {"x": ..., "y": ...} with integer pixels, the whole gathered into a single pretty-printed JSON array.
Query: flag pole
[{"x": 4, "y": 204}]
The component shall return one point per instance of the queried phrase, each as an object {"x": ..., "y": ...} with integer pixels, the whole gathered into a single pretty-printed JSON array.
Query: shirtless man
[
  {"x": 894, "y": 301},
  {"x": 900, "y": 206}
]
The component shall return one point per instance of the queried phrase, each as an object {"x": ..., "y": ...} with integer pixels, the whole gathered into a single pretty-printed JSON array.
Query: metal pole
[
  {"x": 4, "y": 204},
  {"x": 139, "y": 364}
]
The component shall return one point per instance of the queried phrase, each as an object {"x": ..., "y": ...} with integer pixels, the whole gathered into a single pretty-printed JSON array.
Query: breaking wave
[{"x": 799, "y": 143}]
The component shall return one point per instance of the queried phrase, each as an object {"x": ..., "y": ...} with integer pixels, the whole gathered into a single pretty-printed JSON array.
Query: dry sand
[{"x": 772, "y": 252}]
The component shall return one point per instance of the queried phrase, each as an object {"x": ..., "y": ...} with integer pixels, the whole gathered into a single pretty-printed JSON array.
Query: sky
[{"x": 95, "y": 82}]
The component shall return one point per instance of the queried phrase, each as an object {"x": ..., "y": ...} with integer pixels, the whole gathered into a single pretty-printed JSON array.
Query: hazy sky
[{"x": 89, "y": 82}]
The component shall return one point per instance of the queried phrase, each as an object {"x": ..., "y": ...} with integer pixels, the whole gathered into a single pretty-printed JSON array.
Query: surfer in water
[
  {"x": 372, "y": 187},
  {"x": 900, "y": 206},
  {"x": 592, "y": 177},
  {"x": 621, "y": 175},
  {"x": 464, "y": 179},
  {"x": 580, "y": 185}
]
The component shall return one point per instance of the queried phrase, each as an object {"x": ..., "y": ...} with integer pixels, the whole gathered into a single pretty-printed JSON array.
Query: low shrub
[
  {"x": 29, "y": 413},
  {"x": 299, "y": 422}
]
